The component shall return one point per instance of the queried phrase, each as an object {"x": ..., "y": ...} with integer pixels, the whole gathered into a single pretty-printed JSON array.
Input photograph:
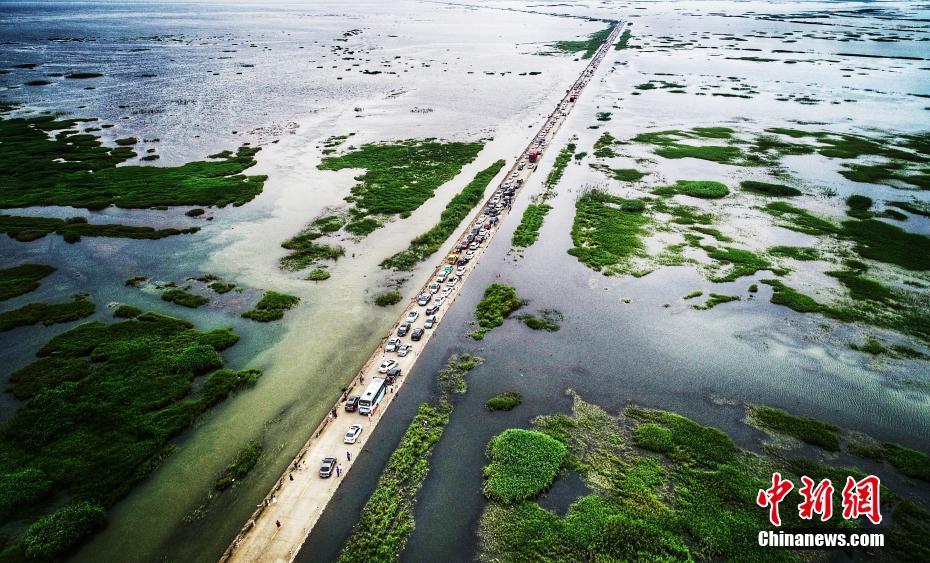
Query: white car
[
  {"x": 434, "y": 287},
  {"x": 412, "y": 316},
  {"x": 388, "y": 364},
  {"x": 430, "y": 321},
  {"x": 439, "y": 301},
  {"x": 470, "y": 254},
  {"x": 352, "y": 434},
  {"x": 392, "y": 345},
  {"x": 445, "y": 292},
  {"x": 452, "y": 281},
  {"x": 402, "y": 351},
  {"x": 460, "y": 270}
]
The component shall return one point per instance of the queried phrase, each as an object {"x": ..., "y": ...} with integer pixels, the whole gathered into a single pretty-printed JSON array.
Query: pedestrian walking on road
[
  {"x": 338, "y": 471},
  {"x": 290, "y": 476},
  {"x": 348, "y": 456},
  {"x": 277, "y": 523}
]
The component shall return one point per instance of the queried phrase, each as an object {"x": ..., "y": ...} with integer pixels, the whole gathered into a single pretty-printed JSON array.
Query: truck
[{"x": 534, "y": 154}]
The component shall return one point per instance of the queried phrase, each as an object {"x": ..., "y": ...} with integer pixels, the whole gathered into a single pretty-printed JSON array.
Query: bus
[{"x": 372, "y": 396}]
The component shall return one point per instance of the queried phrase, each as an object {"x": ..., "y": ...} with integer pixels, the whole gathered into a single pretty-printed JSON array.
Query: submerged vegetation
[
  {"x": 499, "y": 301},
  {"x": 608, "y": 231},
  {"x": 704, "y": 189},
  {"x": 523, "y": 463},
  {"x": 504, "y": 401},
  {"x": 102, "y": 403},
  {"x": 662, "y": 487},
  {"x": 27, "y": 229},
  {"x": 549, "y": 320},
  {"x": 240, "y": 467},
  {"x": 271, "y": 307},
  {"x": 35, "y": 313},
  {"x": 587, "y": 47},
  {"x": 387, "y": 519},
  {"x": 527, "y": 231},
  {"x": 22, "y": 279},
  {"x": 398, "y": 176},
  {"x": 387, "y": 298},
  {"x": 184, "y": 298},
  {"x": 48, "y": 161},
  {"x": 455, "y": 212},
  {"x": 305, "y": 252}
]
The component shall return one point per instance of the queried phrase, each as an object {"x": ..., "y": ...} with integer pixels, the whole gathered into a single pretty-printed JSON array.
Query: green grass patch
[
  {"x": 22, "y": 279},
  {"x": 558, "y": 167},
  {"x": 27, "y": 229},
  {"x": 608, "y": 231},
  {"x": 46, "y": 161},
  {"x": 318, "y": 275},
  {"x": 124, "y": 311},
  {"x": 587, "y": 47},
  {"x": 803, "y": 253},
  {"x": 271, "y": 307},
  {"x": 769, "y": 189},
  {"x": 104, "y": 402},
  {"x": 452, "y": 216},
  {"x": 621, "y": 174},
  {"x": 184, "y": 298},
  {"x": 35, "y": 313},
  {"x": 548, "y": 320},
  {"x": 499, "y": 301},
  {"x": 240, "y": 467},
  {"x": 704, "y": 189},
  {"x": 803, "y": 428},
  {"x": 742, "y": 262},
  {"x": 387, "y": 298},
  {"x": 221, "y": 287},
  {"x": 306, "y": 252},
  {"x": 57, "y": 533},
  {"x": 504, "y": 401},
  {"x": 915, "y": 206},
  {"x": 523, "y": 464},
  {"x": 527, "y": 231},
  {"x": 398, "y": 177},
  {"x": 603, "y": 146},
  {"x": 716, "y": 299}
]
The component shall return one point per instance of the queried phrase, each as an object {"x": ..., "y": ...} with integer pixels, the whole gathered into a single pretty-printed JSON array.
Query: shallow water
[{"x": 703, "y": 364}]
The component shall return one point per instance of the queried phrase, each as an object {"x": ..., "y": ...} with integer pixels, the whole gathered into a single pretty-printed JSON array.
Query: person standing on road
[
  {"x": 348, "y": 455},
  {"x": 338, "y": 471}
]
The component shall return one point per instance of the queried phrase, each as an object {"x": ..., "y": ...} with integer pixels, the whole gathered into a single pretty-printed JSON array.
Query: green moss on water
[
  {"x": 184, "y": 298},
  {"x": 455, "y": 212},
  {"x": 104, "y": 402},
  {"x": 861, "y": 288},
  {"x": 704, "y": 189},
  {"x": 803, "y": 253},
  {"x": 398, "y": 177},
  {"x": 240, "y": 467},
  {"x": 124, "y": 311},
  {"x": 693, "y": 294},
  {"x": 608, "y": 231},
  {"x": 45, "y": 161},
  {"x": 522, "y": 465},
  {"x": 803, "y": 428},
  {"x": 55, "y": 313},
  {"x": 499, "y": 301},
  {"x": 221, "y": 287},
  {"x": 527, "y": 231},
  {"x": 271, "y": 307},
  {"x": 769, "y": 189},
  {"x": 587, "y": 47},
  {"x": 742, "y": 262},
  {"x": 504, "y": 401},
  {"x": 22, "y": 279},
  {"x": 621, "y": 174},
  {"x": 716, "y": 299},
  {"x": 668, "y": 145},
  {"x": 387, "y": 298},
  {"x": 27, "y": 229},
  {"x": 880, "y": 241},
  {"x": 548, "y": 320}
]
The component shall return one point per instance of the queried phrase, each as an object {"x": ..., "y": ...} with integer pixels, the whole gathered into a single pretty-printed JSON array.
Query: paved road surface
[{"x": 284, "y": 519}]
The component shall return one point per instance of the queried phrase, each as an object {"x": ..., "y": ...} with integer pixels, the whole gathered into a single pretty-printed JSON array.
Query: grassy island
[
  {"x": 22, "y": 279},
  {"x": 499, "y": 301}
]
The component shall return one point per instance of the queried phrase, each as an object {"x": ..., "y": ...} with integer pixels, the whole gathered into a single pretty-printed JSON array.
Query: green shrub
[
  {"x": 54, "y": 535},
  {"x": 523, "y": 463},
  {"x": 271, "y": 307},
  {"x": 387, "y": 298},
  {"x": 505, "y": 401}
]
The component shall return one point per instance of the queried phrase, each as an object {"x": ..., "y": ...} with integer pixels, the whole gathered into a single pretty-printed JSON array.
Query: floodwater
[{"x": 704, "y": 364}]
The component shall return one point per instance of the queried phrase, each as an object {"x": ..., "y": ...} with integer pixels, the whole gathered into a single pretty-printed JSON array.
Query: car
[
  {"x": 430, "y": 322},
  {"x": 520, "y": 167},
  {"x": 352, "y": 434},
  {"x": 423, "y": 299},
  {"x": 447, "y": 270},
  {"x": 327, "y": 467},
  {"x": 434, "y": 287},
  {"x": 388, "y": 364},
  {"x": 402, "y": 351},
  {"x": 351, "y": 403},
  {"x": 394, "y": 372},
  {"x": 403, "y": 329},
  {"x": 472, "y": 248},
  {"x": 460, "y": 271},
  {"x": 412, "y": 316},
  {"x": 452, "y": 281},
  {"x": 470, "y": 254},
  {"x": 431, "y": 310},
  {"x": 445, "y": 292},
  {"x": 417, "y": 334},
  {"x": 441, "y": 277},
  {"x": 392, "y": 345},
  {"x": 439, "y": 301}
]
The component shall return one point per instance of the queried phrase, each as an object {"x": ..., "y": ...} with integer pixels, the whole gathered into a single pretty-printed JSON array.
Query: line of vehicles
[{"x": 446, "y": 280}]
